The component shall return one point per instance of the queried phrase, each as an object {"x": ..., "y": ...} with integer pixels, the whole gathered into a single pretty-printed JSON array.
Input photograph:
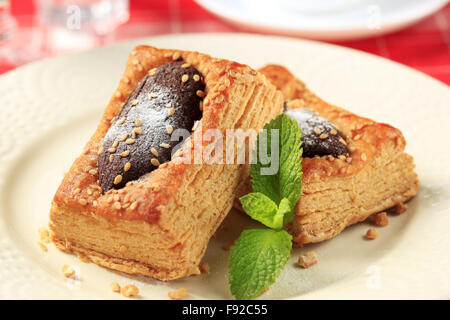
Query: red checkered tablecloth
[{"x": 424, "y": 46}]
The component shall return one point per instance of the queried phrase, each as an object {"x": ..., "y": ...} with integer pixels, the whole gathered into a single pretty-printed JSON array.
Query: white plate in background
[
  {"x": 323, "y": 19},
  {"x": 50, "y": 109}
]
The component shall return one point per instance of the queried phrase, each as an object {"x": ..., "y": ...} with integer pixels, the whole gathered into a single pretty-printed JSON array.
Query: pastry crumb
[
  {"x": 204, "y": 267},
  {"x": 68, "y": 271},
  {"x": 42, "y": 246},
  {"x": 177, "y": 294},
  {"x": 44, "y": 235},
  {"x": 307, "y": 260},
  {"x": 372, "y": 234},
  {"x": 381, "y": 219},
  {"x": 129, "y": 290},
  {"x": 400, "y": 208},
  {"x": 115, "y": 287}
]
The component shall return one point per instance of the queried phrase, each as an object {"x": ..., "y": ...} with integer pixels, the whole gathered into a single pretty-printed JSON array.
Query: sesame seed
[
  {"x": 124, "y": 137},
  {"x": 169, "y": 105},
  {"x": 153, "y": 71},
  {"x": 100, "y": 150},
  {"x": 93, "y": 171},
  {"x": 323, "y": 136},
  {"x": 176, "y": 55},
  {"x": 76, "y": 191},
  {"x": 118, "y": 179},
  {"x": 150, "y": 96},
  {"x": 342, "y": 157},
  {"x": 127, "y": 167},
  {"x": 126, "y": 80},
  {"x": 137, "y": 130},
  {"x": 184, "y": 78},
  {"x": 115, "y": 144},
  {"x": 342, "y": 141},
  {"x": 169, "y": 129},
  {"x": 130, "y": 141},
  {"x": 133, "y": 134},
  {"x": 111, "y": 158},
  {"x": 219, "y": 99},
  {"x": 333, "y": 132},
  {"x": 112, "y": 150},
  {"x": 134, "y": 102},
  {"x": 171, "y": 112},
  {"x": 317, "y": 131},
  {"x": 363, "y": 157},
  {"x": 357, "y": 137},
  {"x": 117, "y": 205},
  {"x": 124, "y": 154},
  {"x": 89, "y": 192},
  {"x": 154, "y": 152},
  {"x": 118, "y": 94},
  {"x": 82, "y": 201},
  {"x": 200, "y": 93},
  {"x": 185, "y": 65},
  {"x": 196, "y": 77},
  {"x": 165, "y": 145},
  {"x": 138, "y": 122},
  {"x": 121, "y": 121},
  {"x": 155, "y": 162},
  {"x": 135, "y": 61},
  {"x": 133, "y": 205}
]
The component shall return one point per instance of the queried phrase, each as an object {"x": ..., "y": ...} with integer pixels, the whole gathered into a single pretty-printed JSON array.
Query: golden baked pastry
[
  {"x": 126, "y": 204},
  {"x": 364, "y": 170}
]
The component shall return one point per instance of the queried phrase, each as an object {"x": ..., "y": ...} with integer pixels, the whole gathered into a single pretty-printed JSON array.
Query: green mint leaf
[
  {"x": 285, "y": 210},
  {"x": 256, "y": 260},
  {"x": 287, "y": 181},
  {"x": 261, "y": 208}
]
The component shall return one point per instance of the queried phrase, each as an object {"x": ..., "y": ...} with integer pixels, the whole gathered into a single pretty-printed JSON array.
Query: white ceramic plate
[
  {"x": 324, "y": 19},
  {"x": 50, "y": 108}
]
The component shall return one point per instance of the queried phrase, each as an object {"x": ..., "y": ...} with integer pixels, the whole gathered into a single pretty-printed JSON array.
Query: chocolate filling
[
  {"x": 166, "y": 99},
  {"x": 319, "y": 136}
]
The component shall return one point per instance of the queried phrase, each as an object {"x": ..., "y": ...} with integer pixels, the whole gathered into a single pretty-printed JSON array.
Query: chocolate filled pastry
[
  {"x": 159, "y": 105},
  {"x": 353, "y": 167},
  {"x": 130, "y": 201}
]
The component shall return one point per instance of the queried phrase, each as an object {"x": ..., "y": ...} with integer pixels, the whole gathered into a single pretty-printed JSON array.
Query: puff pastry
[
  {"x": 159, "y": 224},
  {"x": 341, "y": 190}
]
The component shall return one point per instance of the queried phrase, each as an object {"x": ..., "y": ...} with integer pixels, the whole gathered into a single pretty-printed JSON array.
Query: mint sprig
[{"x": 259, "y": 255}]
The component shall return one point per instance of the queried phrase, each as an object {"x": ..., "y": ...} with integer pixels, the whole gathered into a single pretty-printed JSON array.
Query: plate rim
[{"x": 149, "y": 39}]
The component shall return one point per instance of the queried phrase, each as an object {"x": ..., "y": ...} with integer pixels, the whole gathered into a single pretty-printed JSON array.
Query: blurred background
[{"x": 413, "y": 32}]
